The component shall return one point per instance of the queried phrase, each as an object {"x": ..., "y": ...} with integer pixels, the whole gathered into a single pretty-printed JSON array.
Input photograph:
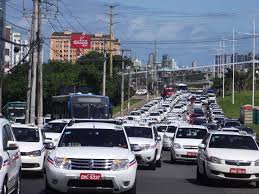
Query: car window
[
  {"x": 171, "y": 129},
  {"x": 9, "y": 133},
  {"x": 191, "y": 133},
  {"x": 144, "y": 132},
  {"x": 26, "y": 134},
  {"x": 53, "y": 127},
  {"x": 5, "y": 138}
]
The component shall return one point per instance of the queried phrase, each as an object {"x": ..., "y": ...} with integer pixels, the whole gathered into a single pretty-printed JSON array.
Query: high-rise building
[
  {"x": 70, "y": 46},
  {"x": 151, "y": 60},
  {"x": 8, "y": 49},
  {"x": 137, "y": 64}
]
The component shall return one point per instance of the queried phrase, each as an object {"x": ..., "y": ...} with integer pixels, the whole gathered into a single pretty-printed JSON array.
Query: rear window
[
  {"x": 154, "y": 114},
  {"x": 144, "y": 132},
  {"x": 191, "y": 133},
  {"x": 53, "y": 127},
  {"x": 171, "y": 129}
]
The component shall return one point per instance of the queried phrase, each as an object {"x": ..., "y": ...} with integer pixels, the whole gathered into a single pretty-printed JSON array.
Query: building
[
  {"x": 8, "y": 49},
  {"x": 151, "y": 60},
  {"x": 69, "y": 46},
  {"x": 137, "y": 64},
  {"x": 194, "y": 65}
]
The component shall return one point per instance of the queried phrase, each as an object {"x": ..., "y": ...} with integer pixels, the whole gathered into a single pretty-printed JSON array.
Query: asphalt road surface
[{"x": 171, "y": 178}]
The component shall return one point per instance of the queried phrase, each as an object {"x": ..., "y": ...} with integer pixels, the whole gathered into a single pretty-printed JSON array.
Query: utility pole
[
  {"x": 39, "y": 71},
  {"x": 111, "y": 23},
  {"x": 129, "y": 80},
  {"x": 233, "y": 68},
  {"x": 2, "y": 49},
  {"x": 155, "y": 70},
  {"x": 122, "y": 82},
  {"x": 104, "y": 74},
  {"x": 254, "y": 36},
  {"x": 223, "y": 66},
  {"x": 147, "y": 80}
]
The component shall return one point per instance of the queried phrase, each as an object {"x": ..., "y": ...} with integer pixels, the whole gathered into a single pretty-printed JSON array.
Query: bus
[
  {"x": 169, "y": 91},
  {"x": 81, "y": 106},
  {"x": 15, "y": 111},
  {"x": 181, "y": 87}
]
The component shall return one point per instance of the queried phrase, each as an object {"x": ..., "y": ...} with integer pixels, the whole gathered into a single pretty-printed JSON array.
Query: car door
[
  {"x": 202, "y": 152},
  {"x": 158, "y": 142},
  {"x": 14, "y": 156}
]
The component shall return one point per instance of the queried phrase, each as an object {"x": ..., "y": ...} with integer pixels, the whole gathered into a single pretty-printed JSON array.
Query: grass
[
  {"x": 116, "y": 109},
  {"x": 241, "y": 98}
]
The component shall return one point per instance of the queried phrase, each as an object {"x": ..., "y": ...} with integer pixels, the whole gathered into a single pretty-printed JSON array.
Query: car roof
[
  {"x": 136, "y": 125},
  {"x": 229, "y": 133},
  {"x": 93, "y": 125},
  {"x": 18, "y": 125},
  {"x": 192, "y": 126},
  {"x": 60, "y": 121}
]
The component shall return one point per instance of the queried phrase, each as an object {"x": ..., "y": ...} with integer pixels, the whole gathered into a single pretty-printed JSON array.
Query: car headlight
[
  {"x": 145, "y": 146},
  {"x": 34, "y": 153},
  {"x": 63, "y": 163},
  {"x": 176, "y": 146},
  {"x": 215, "y": 160},
  {"x": 119, "y": 165},
  {"x": 257, "y": 163}
]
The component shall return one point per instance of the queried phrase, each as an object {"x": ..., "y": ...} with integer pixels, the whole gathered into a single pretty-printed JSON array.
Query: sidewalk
[{"x": 134, "y": 107}]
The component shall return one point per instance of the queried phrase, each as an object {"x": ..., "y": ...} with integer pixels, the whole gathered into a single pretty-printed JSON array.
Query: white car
[
  {"x": 10, "y": 160},
  {"x": 136, "y": 114},
  {"x": 178, "y": 109},
  {"x": 155, "y": 115},
  {"x": 228, "y": 156},
  {"x": 169, "y": 136},
  {"x": 212, "y": 97},
  {"x": 197, "y": 104},
  {"x": 92, "y": 157},
  {"x": 31, "y": 143},
  {"x": 53, "y": 129},
  {"x": 146, "y": 143},
  {"x": 141, "y": 92},
  {"x": 186, "y": 141}
]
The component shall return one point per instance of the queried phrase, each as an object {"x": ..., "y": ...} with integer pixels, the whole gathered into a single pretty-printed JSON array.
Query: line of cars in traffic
[{"x": 103, "y": 155}]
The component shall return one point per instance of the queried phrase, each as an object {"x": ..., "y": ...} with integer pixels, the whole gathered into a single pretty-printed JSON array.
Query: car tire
[
  {"x": 202, "y": 178},
  {"x": 152, "y": 165},
  {"x": 172, "y": 159},
  {"x": 4, "y": 188},
  {"x": 133, "y": 190},
  {"x": 18, "y": 185},
  {"x": 159, "y": 163}
]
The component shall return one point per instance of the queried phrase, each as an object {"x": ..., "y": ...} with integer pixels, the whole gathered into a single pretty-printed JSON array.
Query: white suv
[
  {"x": 92, "y": 157},
  {"x": 146, "y": 144},
  {"x": 10, "y": 160}
]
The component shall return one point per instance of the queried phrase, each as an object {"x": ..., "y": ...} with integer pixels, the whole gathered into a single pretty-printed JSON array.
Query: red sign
[
  {"x": 80, "y": 41},
  {"x": 237, "y": 171},
  {"x": 90, "y": 176}
]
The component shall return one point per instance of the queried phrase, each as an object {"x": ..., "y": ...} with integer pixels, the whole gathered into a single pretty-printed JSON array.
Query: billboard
[{"x": 80, "y": 41}]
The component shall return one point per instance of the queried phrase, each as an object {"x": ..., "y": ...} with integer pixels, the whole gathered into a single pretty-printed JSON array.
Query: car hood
[
  {"x": 191, "y": 142},
  {"x": 139, "y": 140},
  {"x": 30, "y": 146},
  {"x": 232, "y": 154},
  {"x": 92, "y": 152},
  {"x": 53, "y": 136}
]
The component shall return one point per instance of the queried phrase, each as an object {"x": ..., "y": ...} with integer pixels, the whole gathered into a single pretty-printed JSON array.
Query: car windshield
[
  {"x": 144, "y": 132},
  {"x": 93, "y": 137},
  {"x": 53, "y": 127},
  {"x": 199, "y": 121},
  {"x": 232, "y": 124},
  {"x": 177, "y": 107},
  {"x": 135, "y": 113},
  {"x": 248, "y": 130},
  {"x": 232, "y": 142},
  {"x": 161, "y": 128},
  {"x": 212, "y": 127},
  {"x": 154, "y": 114},
  {"x": 198, "y": 110},
  {"x": 26, "y": 134},
  {"x": 191, "y": 133},
  {"x": 171, "y": 129}
]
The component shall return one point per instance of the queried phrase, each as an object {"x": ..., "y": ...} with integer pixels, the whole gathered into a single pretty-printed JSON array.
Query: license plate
[
  {"x": 90, "y": 176},
  {"x": 237, "y": 171},
  {"x": 191, "y": 154}
]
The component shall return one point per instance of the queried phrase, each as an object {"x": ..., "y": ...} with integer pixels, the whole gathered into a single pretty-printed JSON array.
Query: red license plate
[
  {"x": 237, "y": 171},
  {"x": 191, "y": 154},
  {"x": 90, "y": 176}
]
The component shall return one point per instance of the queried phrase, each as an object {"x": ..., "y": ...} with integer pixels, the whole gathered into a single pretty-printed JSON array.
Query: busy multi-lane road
[{"x": 177, "y": 178}]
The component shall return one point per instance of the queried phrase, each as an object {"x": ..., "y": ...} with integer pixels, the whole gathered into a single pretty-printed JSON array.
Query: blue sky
[{"x": 150, "y": 20}]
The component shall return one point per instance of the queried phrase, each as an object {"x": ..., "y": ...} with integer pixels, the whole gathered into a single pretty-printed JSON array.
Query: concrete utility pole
[
  {"x": 122, "y": 82},
  {"x": 111, "y": 23},
  {"x": 233, "y": 68},
  {"x": 39, "y": 71},
  {"x": 254, "y": 36},
  {"x": 129, "y": 80},
  {"x": 155, "y": 69},
  {"x": 223, "y": 66},
  {"x": 2, "y": 49},
  {"x": 104, "y": 74},
  {"x": 147, "y": 81}
]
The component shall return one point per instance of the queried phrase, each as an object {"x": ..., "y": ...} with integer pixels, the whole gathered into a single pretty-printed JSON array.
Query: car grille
[
  {"x": 190, "y": 147},
  {"x": 23, "y": 154},
  {"x": 90, "y": 184},
  {"x": 237, "y": 163},
  {"x": 229, "y": 175},
  {"x": 90, "y": 164}
]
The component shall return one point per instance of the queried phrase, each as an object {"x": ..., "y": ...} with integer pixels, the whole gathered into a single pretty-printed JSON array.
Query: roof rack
[{"x": 110, "y": 121}]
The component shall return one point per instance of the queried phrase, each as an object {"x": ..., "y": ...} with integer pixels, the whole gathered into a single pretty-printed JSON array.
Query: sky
[{"x": 172, "y": 22}]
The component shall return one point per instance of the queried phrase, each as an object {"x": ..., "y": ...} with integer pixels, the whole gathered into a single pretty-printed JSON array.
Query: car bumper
[
  {"x": 219, "y": 171},
  {"x": 111, "y": 181},
  {"x": 32, "y": 163},
  {"x": 145, "y": 156},
  {"x": 185, "y": 154}
]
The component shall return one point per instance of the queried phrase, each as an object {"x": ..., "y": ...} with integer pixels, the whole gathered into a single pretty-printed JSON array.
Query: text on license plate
[
  {"x": 90, "y": 176},
  {"x": 237, "y": 171},
  {"x": 191, "y": 154}
]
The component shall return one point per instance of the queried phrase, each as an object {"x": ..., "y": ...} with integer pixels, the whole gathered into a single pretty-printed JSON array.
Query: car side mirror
[
  {"x": 202, "y": 146},
  {"x": 12, "y": 145},
  {"x": 158, "y": 138},
  {"x": 49, "y": 146}
]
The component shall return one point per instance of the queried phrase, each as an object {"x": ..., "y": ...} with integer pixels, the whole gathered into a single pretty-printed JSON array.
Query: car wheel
[
  {"x": 4, "y": 188},
  {"x": 18, "y": 185},
  {"x": 133, "y": 190},
  {"x": 152, "y": 165},
  {"x": 202, "y": 178},
  {"x": 172, "y": 159},
  {"x": 159, "y": 163}
]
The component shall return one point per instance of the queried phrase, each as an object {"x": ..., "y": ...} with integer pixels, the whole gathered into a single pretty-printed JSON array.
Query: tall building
[
  {"x": 137, "y": 64},
  {"x": 151, "y": 60},
  {"x": 70, "y": 46},
  {"x": 8, "y": 49}
]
